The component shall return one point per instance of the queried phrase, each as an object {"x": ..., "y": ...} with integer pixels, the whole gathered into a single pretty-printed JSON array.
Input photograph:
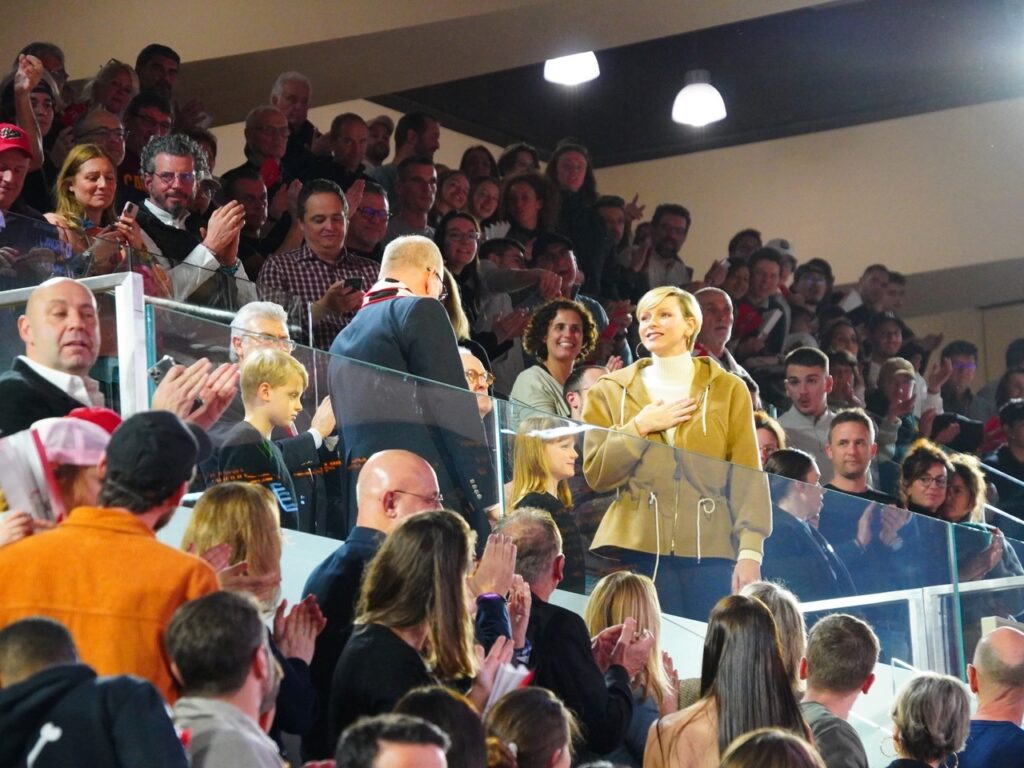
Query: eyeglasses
[
  {"x": 168, "y": 177},
  {"x": 964, "y": 366},
  {"x": 437, "y": 499},
  {"x": 151, "y": 123},
  {"x": 373, "y": 213},
  {"x": 462, "y": 237},
  {"x": 270, "y": 130},
  {"x": 282, "y": 342},
  {"x": 939, "y": 481},
  {"x": 472, "y": 377},
  {"x": 104, "y": 134},
  {"x": 444, "y": 288}
]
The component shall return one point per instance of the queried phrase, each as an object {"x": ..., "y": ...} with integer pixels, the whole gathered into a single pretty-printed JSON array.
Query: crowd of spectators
[{"x": 503, "y": 277}]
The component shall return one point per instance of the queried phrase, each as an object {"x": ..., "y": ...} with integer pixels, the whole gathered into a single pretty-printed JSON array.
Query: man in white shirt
[
  {"x": 62, "y": 341},
  {"x": 203, "y": 268},
  {"x": 806, "y": 423},
  {"x": 61, "y": 332}
]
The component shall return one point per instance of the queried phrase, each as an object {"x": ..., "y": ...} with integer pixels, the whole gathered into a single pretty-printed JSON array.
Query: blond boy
[{"x": 272, "y": 383}]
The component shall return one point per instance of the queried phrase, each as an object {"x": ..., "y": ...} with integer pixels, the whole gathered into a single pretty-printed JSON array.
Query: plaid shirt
[{"x": 298, "y": 278}]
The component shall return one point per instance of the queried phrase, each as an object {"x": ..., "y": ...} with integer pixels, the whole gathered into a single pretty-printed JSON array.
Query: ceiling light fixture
[
  {"x": 572, "y": 70},
  {"x": 699, "y": 103}
]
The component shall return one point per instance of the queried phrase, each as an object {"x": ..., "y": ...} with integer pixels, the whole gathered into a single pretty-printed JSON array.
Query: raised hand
[{"x": 496, "y": 568}]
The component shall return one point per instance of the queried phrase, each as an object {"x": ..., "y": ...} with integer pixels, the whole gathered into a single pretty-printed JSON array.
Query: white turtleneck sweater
[{"x": 669, "y": 379}]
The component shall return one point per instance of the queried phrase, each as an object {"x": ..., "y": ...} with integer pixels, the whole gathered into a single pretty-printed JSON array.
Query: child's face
[{"x": 284, "y": 402}]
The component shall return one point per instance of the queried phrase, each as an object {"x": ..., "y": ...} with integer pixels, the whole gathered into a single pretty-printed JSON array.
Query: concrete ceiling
[{"x": 232, "y": 50}]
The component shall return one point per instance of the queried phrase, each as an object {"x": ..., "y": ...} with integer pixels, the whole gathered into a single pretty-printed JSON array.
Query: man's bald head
[
  {"x": 60, "y": 327},
  {"x": 999, "y": 658},
  {"x": 393, "y": 485}
]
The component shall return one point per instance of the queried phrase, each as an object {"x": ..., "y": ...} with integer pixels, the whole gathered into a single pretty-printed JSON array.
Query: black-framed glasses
[
  {"x": 373, "y": 213},
  {"x": 169, "y": 177},
  {"x": 437, "y": 499},
  {"x": 939, "y": 481},
  {"x": 444, "y": 288},
  {"x": 266, "y": 339},
  {"x": 473, "y": 377}
]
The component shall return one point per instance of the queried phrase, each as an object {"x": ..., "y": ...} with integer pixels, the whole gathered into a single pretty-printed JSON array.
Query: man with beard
[
  {"x": 125, "y": 585},
  {"x": 203, "y": 271}
]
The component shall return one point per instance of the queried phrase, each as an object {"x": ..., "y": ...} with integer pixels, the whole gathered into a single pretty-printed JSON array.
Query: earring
[{"x": 881, "y": 747}]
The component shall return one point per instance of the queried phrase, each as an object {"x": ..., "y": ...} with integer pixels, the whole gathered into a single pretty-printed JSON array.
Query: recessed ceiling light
[{"x": 572, "y": 70}]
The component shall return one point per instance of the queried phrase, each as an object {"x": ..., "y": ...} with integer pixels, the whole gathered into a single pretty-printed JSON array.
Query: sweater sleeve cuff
[
  {"x": 750, "y": 541},
  {"x": 751, "y": 554}
]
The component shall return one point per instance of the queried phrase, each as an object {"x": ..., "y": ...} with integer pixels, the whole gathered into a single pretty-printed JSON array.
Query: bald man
[
  {"x": 997, "y": 678},
  {"x": 392, "y": 485},
  {"x": 61, "y": 332}
]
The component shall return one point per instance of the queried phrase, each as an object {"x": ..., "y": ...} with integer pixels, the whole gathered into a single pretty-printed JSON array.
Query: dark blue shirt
[{"x": 993, "y": 743}]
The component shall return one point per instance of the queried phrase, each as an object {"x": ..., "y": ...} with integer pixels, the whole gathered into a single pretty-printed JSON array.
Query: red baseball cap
[
  {"x": 101, "y": 417},
  {"x": 13, "y": 137}
]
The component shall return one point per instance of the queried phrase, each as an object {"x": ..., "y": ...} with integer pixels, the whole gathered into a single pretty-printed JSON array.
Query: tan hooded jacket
[{"x": 706, "y": 498}]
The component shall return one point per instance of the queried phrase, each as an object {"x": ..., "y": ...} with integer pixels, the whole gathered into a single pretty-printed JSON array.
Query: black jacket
[
  {"x": 803, "y": 560},
  {"x": 66, "y": 715},
  {"x": 379, "y": 409},
  {"x": 26, "y": 397},
  {"x": 563, "y": 663}
]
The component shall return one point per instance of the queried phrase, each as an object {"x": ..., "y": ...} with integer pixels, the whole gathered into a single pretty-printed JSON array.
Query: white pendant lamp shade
[
  {"x": 572, "y": 70},
  {"x": 699, "y": 103}
]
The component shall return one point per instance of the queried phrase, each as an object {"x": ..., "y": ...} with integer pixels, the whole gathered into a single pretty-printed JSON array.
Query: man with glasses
[
  {"x": 146, "y": 116},
  {"x": 368, "y": 223},
  {"x": 403, "y": 328},
  {"x": 393, "y": 485},
  {"x": 413, "y": 197},
  {"x": 202, "y": 271},
  {"x": 266, "y": 142},
  {"x": 105, "y": 130},
  {"x": 322, "y": 276}
]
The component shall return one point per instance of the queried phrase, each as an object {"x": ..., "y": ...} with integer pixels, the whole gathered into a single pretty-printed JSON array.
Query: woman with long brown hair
[
  {"x": 743, "y": 687},
  {"x": 413, "y": 623}
]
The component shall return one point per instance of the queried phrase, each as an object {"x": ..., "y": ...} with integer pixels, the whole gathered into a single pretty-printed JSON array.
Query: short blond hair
[
  {"x": 411, "y": 251},
  {"x": 272, "y": 366},
  {"x": 687, "y": 302}
]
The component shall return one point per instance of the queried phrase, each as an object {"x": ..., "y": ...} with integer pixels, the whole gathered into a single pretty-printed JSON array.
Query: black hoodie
[{"x": 67, "y": 716}]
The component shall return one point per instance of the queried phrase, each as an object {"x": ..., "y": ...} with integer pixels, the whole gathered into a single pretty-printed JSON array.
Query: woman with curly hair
[
  {"x": 695, "y": 518},
  {"x": 560, "y": 333}
]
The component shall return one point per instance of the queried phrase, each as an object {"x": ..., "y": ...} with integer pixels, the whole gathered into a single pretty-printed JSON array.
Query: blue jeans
[{"x": 686, "y": 587}]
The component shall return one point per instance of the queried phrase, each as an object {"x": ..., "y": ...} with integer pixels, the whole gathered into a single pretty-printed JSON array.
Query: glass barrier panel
[{"x": 33, "y": 250}]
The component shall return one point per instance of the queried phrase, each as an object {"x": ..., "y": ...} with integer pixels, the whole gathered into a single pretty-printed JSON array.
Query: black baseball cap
[{"x": 154, "y": 452}]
